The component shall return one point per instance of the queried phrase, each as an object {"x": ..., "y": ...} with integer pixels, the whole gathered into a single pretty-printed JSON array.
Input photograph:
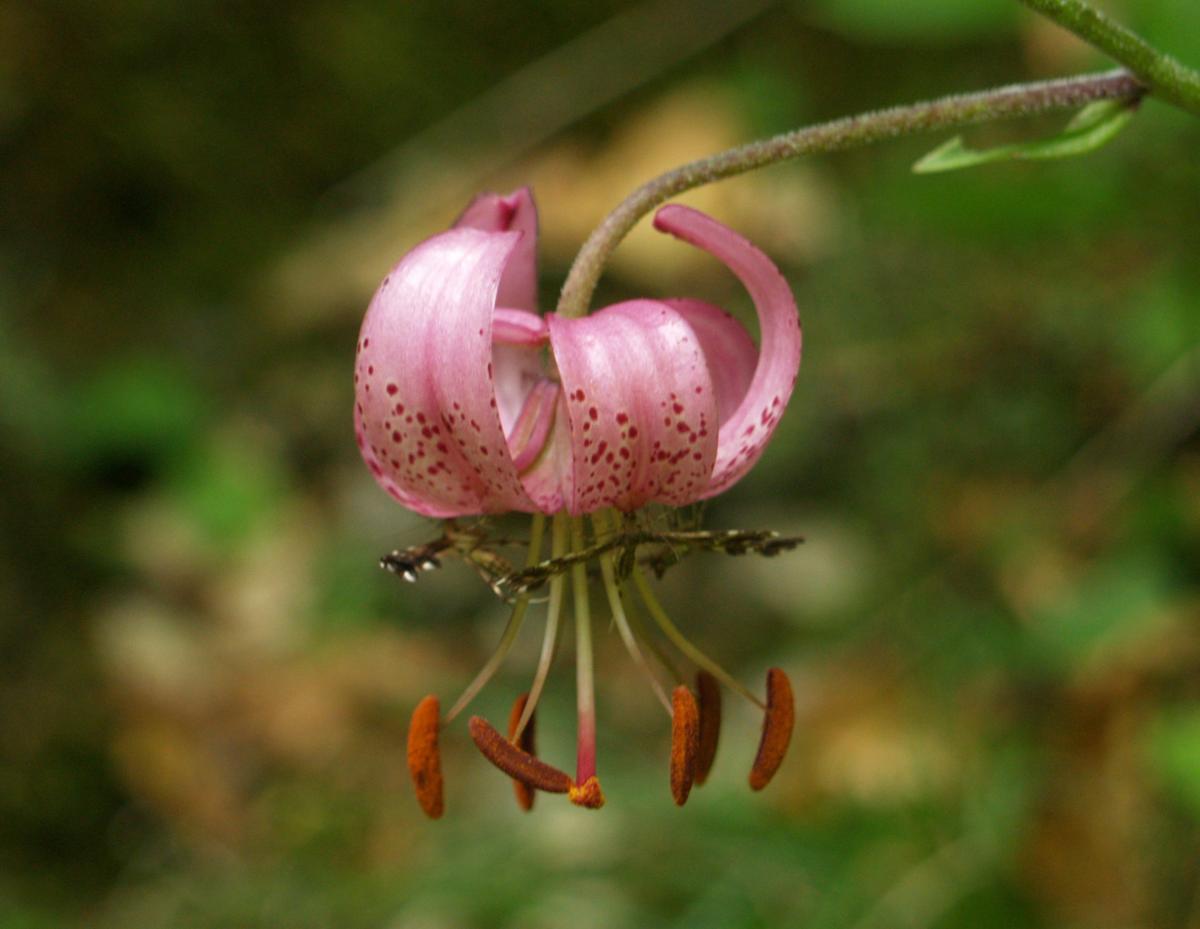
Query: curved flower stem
[
  {"x": 515, "y": 619},
  {"x": 671, "y": 631},
  {"x": 585, "y": 687},
  {"x": 558, "y": 547},
  {"x": 1165, "y": 76},
  {"x": 837, "y": 135}
]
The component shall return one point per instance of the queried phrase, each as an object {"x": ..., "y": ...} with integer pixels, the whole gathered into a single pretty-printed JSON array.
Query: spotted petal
[
  {"x": 641, "y": 411},
  {"x": 746, "y": 431},
  {"x": 426, "y": 404},
  {"x": 729, "y": 351}
]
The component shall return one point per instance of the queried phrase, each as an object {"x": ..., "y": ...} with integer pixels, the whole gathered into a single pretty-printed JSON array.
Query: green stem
[
  {"x": 608, "y": 571},
  {"x": 671, "y": 631},
  {"x": 515, "y": 619},
  {"x": 837, "y": 135},
  {"x": 1165, "y": 76},
  {"x": 558, "y": 547}
]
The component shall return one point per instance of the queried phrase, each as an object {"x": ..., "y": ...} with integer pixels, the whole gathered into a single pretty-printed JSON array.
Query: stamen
[
  {"x": 669, "y": 666},
  {"x": 509, "y": 636},
  {"x": 585, "y": 756},
  {"x": 518, "y": 765},
  {"x": 558, "y": 546},
  {"x": 424, "y": 761},
  {"x": 685, "y": 743},
  {"x": 607, "y": 570},
  {"x": 525, "y": 742},
  {"x": 777, "y": 729},
  {"x": 710, "y": 723},
  {"x": 681, "y": 642}
]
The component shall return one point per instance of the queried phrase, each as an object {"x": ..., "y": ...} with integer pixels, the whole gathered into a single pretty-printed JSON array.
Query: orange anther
[
  {"x": 525, "y": 793},
  {"x": 424, "y": 761},
  {"x": 777, "y": 729},
  {"x": 515, "y": 763},
  {"x": 685, "y": 742},
  {"x": 709, "y": 703}
]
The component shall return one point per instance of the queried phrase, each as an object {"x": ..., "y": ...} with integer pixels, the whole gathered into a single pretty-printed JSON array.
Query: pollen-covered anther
[
  {"x": 709, "y": 705},
  {"x": 777, "y": 729},
  {"x": 588, "y": 794},
  {"x": 685, "y": 743},
  {"x": 526, "y": 743},
  {"x": 424, "y": 761},
  {"x": 517, "y": 764}
]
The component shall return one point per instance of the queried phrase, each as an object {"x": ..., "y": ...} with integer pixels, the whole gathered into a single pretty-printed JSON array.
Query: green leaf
[{"x": 1091, "y": 127}]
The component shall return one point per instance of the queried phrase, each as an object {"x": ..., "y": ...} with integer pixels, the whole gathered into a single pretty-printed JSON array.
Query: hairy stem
[
  {"x": 1166, "y": 77},
  {"x": 837, "y": 135}
]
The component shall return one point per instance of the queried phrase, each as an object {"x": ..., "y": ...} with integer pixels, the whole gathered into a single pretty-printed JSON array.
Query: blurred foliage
[{"x": 993, "y": 453}]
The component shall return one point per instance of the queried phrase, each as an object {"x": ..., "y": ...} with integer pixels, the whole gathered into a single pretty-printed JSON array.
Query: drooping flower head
[
  {"x": 468, "y": 402},
  {"x": 653, "y": 401}
]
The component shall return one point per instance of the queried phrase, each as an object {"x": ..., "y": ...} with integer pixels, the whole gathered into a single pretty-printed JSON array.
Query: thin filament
[
  {"x": 671, "y": 631},
  {"x": 536, "y": 532},
  {"x": 608, "y": 571},
  {"x": 585, "y": 759},
  {"x": 558, "y": 546},
  {"x": 643, "y": 635}
]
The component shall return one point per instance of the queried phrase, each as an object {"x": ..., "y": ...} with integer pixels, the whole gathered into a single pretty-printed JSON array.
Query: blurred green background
[{"x": 992, "y": 450}]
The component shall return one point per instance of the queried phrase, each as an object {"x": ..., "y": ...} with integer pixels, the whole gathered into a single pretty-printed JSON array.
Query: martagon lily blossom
[{"x": 468, "y": 403}]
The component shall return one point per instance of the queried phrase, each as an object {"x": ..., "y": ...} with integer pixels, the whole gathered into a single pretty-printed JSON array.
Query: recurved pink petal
[
  {"x": 728, "y": 349},
  {"x": 426, "y": 405},
  {"x": 745, "y": 433},
  {"x": 641, "y": 411},
  {"x": 513, "y": 213}
]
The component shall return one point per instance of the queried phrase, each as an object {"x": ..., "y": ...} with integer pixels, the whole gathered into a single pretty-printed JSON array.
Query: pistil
[{"x": 586, "y": 790}]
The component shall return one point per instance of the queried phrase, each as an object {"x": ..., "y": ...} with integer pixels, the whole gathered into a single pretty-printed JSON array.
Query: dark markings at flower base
[{"x": 667, "y": 548}]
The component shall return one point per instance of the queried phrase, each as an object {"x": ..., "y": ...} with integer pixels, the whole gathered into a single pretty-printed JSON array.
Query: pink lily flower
[
  {"x": 663, "y": 401},
  {"x": 468, "y": 402}
]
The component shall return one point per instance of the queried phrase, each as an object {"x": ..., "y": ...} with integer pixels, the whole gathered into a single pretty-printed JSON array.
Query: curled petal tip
[
  {"x": 515, "y": 212},
  {"x": 746, "y": 431}
]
